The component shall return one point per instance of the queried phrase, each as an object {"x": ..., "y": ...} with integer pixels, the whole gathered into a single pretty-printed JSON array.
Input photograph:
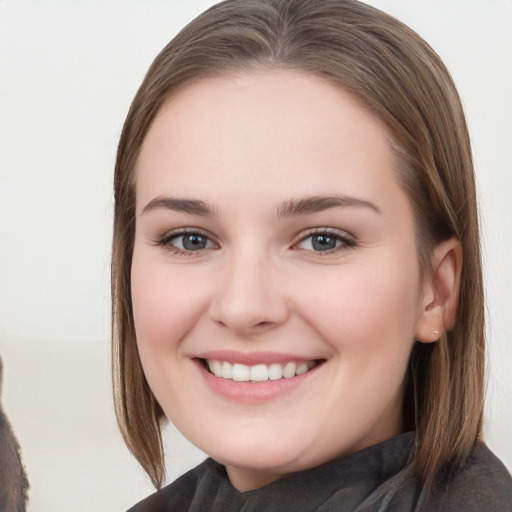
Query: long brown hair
[{"x": 394, "y": 73}]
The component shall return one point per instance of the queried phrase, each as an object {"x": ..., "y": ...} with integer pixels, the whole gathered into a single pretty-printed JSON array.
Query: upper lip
[{"x": 253, "y": 358}]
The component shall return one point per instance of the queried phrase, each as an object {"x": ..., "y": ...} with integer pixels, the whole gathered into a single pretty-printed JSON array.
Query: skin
[{"x": 248, "y": 146}]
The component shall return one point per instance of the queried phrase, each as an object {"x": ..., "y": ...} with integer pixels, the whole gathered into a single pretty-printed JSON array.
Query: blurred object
[
  {"x": 13, "y": 480},
  {"x": 58, "y": 396}
]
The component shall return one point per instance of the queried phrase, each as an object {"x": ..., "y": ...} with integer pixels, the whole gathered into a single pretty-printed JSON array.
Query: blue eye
[
  {"x": 325, "y": 241},
  {"x": 185, "y": 243},
  {"x": 192, "y": 242}
]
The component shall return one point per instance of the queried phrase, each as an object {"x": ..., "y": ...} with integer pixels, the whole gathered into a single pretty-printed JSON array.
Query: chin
[{"x": 264, "y": 456}]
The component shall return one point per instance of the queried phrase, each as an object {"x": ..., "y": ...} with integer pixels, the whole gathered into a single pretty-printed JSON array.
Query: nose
[{"x": 250, "y": 297}]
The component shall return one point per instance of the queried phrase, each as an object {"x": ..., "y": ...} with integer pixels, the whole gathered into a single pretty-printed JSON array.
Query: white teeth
[
  {"x": 215, "y": 367},
  {"x": 289, "y": 370},
  {"x": 302, "y": 368},
  {"x": 258, "y": 373},
  {"x": 240, "y": 372},
  {"x": 275, "y": 371},
  {"x": 227, "y": 370}
]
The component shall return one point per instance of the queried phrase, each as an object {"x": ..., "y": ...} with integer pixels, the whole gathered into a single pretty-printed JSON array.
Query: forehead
[{"x": 264, "y": 126}]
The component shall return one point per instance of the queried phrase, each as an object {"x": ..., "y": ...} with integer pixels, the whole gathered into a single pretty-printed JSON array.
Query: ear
[{"x": 441, "y": 294}]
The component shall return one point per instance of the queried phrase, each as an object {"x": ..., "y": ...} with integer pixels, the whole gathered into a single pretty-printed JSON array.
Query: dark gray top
[{"x": 373, "y": 480}]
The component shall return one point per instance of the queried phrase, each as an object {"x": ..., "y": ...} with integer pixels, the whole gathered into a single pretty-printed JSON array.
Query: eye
[
  {"x": 191, "y": 242},
  {"x": 185, "y": 243},
  {"x": 325, "y": 241}
]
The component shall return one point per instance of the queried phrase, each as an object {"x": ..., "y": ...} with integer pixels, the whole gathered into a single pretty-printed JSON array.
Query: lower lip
[{"x": 254, "y": 392}]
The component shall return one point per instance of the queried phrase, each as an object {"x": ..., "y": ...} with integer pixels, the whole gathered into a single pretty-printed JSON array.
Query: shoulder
[
  {"x": 482, "y": 483},
  {"x": 176, "y": 496}
]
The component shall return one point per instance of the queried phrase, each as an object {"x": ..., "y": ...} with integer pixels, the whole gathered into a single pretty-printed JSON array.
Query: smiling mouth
[{"x": 260, "y": 372}]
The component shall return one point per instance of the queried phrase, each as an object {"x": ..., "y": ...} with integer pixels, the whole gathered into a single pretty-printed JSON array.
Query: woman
[{"x": 296, "y": 269}]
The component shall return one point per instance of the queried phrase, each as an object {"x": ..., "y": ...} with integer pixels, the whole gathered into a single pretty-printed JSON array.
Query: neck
[{"x": 249, "y": 479}]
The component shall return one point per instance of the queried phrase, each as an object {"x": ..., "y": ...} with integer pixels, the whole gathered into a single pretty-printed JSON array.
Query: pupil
[
  {"x": 194, "y": 242},
  {"x": 323, "y": 243}
]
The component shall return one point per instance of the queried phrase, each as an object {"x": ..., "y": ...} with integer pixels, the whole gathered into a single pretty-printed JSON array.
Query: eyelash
[
  {"x": 165, "y": 241},
  {"x": 346, "y": 241}
]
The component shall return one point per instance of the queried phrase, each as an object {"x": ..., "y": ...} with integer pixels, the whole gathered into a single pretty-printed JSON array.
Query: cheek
[
  {"x": 165, "y": 304},
  {"x": 365, "y": 307}
]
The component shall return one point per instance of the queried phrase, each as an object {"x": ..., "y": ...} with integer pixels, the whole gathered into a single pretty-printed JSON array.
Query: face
[{"x": 275, "y": 280}]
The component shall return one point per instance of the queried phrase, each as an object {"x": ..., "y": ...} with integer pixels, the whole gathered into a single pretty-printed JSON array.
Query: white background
[{"x": 68, "y": 71}]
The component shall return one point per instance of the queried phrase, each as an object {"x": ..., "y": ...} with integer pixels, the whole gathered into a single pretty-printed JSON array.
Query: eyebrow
[
  {"x": 190, "y": 206},
  {"x": 289, "y": 208},
  {"x": 315, "y": 204}
]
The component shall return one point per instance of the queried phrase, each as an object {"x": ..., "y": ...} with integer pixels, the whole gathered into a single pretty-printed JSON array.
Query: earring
[{"x": 436, "y": 332}]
